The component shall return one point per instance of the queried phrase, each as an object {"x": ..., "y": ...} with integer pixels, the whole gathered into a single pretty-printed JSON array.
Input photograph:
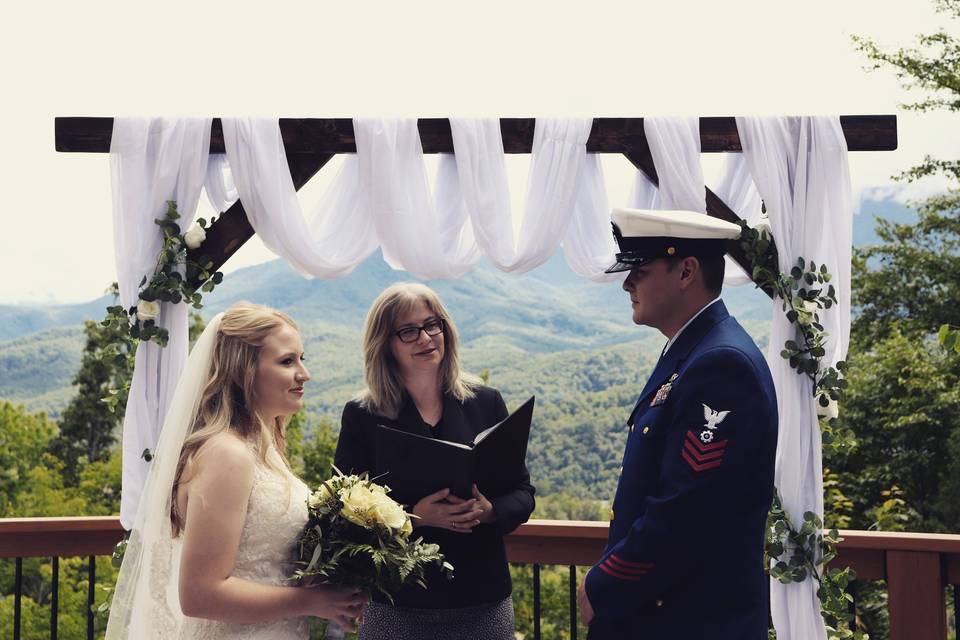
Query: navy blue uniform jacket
[{"x": 684, "y": 558}]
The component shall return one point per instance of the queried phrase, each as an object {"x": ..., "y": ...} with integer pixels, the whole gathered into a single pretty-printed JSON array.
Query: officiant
[
  {"x": 414, "y": 383},
  {"x": 684, "y": 555}
]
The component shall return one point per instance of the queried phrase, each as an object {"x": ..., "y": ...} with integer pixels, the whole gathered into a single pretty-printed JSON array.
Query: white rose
[
  {"x": 829, "y": 412},
  {"x": 148, "y": 310},
  {"x": 194, "y": 236},
  {"x": 388, "y": 512},
  {"x": 805, "y": 310},
  {"x": 358, "y": 501},
  {"x": 763, "y": 227}
]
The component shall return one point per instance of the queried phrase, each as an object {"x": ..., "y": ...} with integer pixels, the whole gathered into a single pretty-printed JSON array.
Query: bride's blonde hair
[{"x": 228, "y": 401}]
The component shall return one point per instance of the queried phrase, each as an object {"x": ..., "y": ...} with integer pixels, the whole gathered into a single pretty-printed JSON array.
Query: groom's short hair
[{"x": 712, "y": 265}]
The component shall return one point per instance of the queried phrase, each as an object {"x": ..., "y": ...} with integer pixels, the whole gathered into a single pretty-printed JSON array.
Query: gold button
[
  {"x": 671, "y": 251},
  {"x": 611, "y": 514},
  {"x": 631, "y": 428},
  {"x": 659, "y": 603},
  {"x": 621, "y": 471},
  {"x": 646, "y": 430}
]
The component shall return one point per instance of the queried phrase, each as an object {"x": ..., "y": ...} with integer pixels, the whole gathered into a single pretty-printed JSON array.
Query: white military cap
[{"x": 643, "y": 235}]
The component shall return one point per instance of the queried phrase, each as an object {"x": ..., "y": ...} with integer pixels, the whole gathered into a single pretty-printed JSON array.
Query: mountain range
[{"x": 549, "y": 332}]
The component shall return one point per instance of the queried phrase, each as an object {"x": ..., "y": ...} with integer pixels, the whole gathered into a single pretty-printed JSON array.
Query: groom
[{"x": 684, "y": 557}]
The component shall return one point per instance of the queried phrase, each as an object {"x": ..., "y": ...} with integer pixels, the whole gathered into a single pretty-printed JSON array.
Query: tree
[
  {"x": 32, "y": 484},
  {"x": 912, "y": 281},
  {"x": 89, "y": 423},
  {"x": 903, "y": 406}
]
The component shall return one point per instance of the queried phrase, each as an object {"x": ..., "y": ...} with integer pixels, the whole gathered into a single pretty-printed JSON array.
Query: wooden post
[{"x": 915, "y": 584}]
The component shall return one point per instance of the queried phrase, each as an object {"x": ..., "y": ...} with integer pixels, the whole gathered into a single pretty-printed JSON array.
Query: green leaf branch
[
  {"x": 793, "y": 554},
  {"x": 170, "y": 281}
]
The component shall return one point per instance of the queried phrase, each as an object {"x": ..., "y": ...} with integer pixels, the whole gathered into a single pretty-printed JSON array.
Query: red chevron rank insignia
[
  {"x": 622, "y": 569},
  {"x": 702, "y": 456}
]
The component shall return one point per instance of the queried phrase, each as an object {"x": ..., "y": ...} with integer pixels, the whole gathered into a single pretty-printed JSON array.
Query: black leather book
[{"x": 416, "y": 466}]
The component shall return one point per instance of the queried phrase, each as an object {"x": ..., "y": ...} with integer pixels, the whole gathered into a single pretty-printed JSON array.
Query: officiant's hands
[{"x": 446, "y": 511}]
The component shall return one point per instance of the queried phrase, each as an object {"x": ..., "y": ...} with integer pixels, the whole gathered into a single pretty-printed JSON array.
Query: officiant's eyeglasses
[{"x": 412, "y": 334}]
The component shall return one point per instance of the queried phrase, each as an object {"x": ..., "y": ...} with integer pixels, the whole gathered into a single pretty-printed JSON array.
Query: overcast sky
[{"x": 517, "y": 59}]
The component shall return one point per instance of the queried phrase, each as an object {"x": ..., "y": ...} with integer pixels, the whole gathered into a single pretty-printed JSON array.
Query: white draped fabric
[
  {"x": 675, "y": 149},
  {"x": 218, "y": 184},
  {"x": 381, "y": 198},
  {"x": 738, "y": 192},
  {"x": 800, "y": 168},
  {"x": 152, "y": 160}
]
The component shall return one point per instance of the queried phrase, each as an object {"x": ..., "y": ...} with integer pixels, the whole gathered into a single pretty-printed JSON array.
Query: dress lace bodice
[{"x": 276, "y": 515}]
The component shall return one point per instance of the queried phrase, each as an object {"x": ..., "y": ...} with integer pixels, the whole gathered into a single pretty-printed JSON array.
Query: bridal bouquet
[{"x": 358, "y": 535}]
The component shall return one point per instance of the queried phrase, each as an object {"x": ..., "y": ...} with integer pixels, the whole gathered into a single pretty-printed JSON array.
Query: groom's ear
[{"x": 689, "y": 268}]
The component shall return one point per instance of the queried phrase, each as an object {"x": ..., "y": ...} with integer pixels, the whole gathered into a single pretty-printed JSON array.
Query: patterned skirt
[{"x": 483, "y": 622}]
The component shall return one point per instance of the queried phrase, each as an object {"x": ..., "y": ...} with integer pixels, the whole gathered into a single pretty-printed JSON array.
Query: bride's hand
[{"x": 343, "y": 605}]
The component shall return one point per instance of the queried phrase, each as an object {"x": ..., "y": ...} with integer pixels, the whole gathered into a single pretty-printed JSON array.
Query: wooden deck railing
[{"x": 916, "y": 566}]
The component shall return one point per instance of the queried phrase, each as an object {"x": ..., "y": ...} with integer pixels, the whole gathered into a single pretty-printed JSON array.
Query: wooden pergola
[{"x": 311, "y": 142}]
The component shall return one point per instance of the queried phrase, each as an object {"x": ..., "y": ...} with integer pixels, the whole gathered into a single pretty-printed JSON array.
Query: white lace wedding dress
[{"x": 276, "y": 515}]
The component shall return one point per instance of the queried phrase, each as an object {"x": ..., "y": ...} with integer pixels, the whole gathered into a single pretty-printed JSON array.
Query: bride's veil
[{"x": 146, "y": 602}]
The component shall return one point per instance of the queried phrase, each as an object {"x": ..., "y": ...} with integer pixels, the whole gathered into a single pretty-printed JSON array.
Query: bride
[{"x": 221, "y": 511}]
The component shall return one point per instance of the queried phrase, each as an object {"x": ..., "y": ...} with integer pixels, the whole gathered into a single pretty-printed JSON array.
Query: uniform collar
[
  {"x": 687, "y": 324},
  {"x": 684, "y": 342}
]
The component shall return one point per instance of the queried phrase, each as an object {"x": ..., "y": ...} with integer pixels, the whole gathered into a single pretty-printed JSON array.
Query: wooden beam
[
  {"x": 232, "y": 228},
  {"x": 609, "y": 135},
  {"x": 643, "y": 160}
]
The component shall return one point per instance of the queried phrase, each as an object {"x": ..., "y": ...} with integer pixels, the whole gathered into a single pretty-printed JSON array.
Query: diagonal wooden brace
[
  {"x": 232, "y": 228},
  {"x": 643, "y": 160}
]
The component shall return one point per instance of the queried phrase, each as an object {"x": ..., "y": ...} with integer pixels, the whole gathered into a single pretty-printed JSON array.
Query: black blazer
[{"x": 481, "y": 572}]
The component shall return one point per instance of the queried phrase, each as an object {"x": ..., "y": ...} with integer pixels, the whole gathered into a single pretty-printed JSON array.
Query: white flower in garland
[
  {"x": 194, "y": 236},
  {"x": 148, "y": 310},
  {"x": 763, "y": 227},
  {"x": 805, "y": 311},
  {"x": 829, "y": 412}
]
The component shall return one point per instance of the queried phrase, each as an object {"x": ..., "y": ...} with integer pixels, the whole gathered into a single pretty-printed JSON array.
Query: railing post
[
  {"x": 536, "y": 601},
  {"x": 17, "y": 597},
  {"x": 915, "y": 584},
  {"x": 573, "y": 602}
]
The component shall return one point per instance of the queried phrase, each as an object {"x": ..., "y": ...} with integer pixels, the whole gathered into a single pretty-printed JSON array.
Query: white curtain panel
[
  {"x": 381, "y": 198},
  {"x": 675, "y": 147},
  {"x": 414, "y": 234},
  {"x": 738, "y": 192},
  {"x": 566, "y": 196},
  {"x": 341, "y": 232},
  {"x": 152, "y": 160},
  {"x": 799, "y": 166},
  {"x": 218, "y": 184}
]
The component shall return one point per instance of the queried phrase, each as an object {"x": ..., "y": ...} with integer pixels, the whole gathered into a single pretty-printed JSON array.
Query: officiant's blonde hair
[
  {"x": 228, "y": 401},
  {"x": 384, "y": 393}
]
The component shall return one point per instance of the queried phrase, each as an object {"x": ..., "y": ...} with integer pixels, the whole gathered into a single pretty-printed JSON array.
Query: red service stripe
[
  {"x": 627, "y": 571},
  {"x": 703, "y": 457},
  {"x": 719, "y": 444},
  {"x": 630, "y": 565},
  {"x": 700, "y": 467},
  {"x": 617, "y": 574}
]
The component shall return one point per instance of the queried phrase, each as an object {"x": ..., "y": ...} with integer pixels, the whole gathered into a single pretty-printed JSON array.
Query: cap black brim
[{"x": 626, "y": 264}]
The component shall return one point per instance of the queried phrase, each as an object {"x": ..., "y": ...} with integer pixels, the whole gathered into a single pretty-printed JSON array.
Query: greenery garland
[
  {"x": 793, "y": 554},
  {"x": 170, "y": 282}
]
